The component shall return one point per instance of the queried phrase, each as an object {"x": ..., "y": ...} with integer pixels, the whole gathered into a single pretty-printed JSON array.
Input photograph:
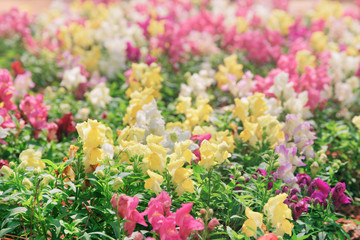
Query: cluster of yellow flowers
[
  {"x": 144, "y": 76},
  {"x": 137, "y": 101},
  {"x": 278, "y": 214},
  {"x": 77, "y": 39},
  {"x": 326, "y": 9},
  {"x": 256, "y": 122},
  {"x": 231, "y": 67},
  {"x": 305, "y": 59},
  {"x": 280, "y": 21},
  {"x": 194, "y": 116},
  {"x": 155, "y": 159},
  {"x": 94, "y": 135}
]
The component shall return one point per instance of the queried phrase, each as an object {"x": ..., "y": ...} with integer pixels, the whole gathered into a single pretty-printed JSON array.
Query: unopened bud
[
  {"x": 211, "y": 212},
  {"x": 12, "y": 164},
  {"x": 314, "y": 168},
  {"x": 242, "y": 179},
  {"x": 117, "y": 184},
  {"x": 129, "y": 168},
  {"x": 277, "y": 165},
  {"x": 202, "y": 211},
  {"x": 27, "y": 183},
  {"x": 138, "y": 236},
  {"x": 114, "y": 171},
  {"x": 335, "y": 166},
  {"x": 212, "y": 224},
  {"x": 36, "y": 171},
  {"x": 7, "y": 171},
  {"x": 322, "y": 158},
  {"x": 46, "y": 180},
  {"x": 100, "y": 174}
]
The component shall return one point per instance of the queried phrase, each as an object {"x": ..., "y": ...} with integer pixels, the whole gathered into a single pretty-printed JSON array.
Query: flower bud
[
  {"x": 202, "y": 211},
  {"x": 129, "y": 168},
  {"x": 36, "y": 171},
  {"x": 277, "y": 192},
  {"x": 277, "y": 165},
  {"x": 212, "y": 224},
  {"x": 46, "y": 180},
  {"x": 322, "y": 158},
  {"x": 211, "y": 212},
  {"x": 27, "y": 183},
  {"x": 100, "y": 174},
  {"x": 314, "y": 168},
  {"x": 7, "y": 171},
  {"x": 12, "y": 164},
  {"x": 335, "y": 166},
  {"x": 117, "y": 184},
  {"x": 242, "y": 179},
  {"x": 138, "y": 236},
  {"x": 22, "y": 166},
  {"x": 114, "y": 171}
]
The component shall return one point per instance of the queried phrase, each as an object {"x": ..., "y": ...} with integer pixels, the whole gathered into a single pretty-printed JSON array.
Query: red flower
[
  {"x": 16, "y": 67},
  {"x": 66, "y": 126}
]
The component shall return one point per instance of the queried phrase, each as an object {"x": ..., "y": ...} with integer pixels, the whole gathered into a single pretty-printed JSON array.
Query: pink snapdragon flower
[
  {"x": 186, "y": 222},
  {"x": 6, "y": 94},
  {"x": 126, "y": 209},
  {"x": 22, "y": 84},
  {"x": 35, "y": 111}
]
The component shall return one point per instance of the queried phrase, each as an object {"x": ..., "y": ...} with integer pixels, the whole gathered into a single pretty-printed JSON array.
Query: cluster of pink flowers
[
  {"x": 16, "y": 22},
  {"x": 167, "y": 224},
  {"x": 35, "y": 111},
  {"x": 6, "y": 93}
]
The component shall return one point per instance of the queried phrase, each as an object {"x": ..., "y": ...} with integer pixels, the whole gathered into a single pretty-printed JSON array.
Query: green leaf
[{"x": 17, "y": 210}]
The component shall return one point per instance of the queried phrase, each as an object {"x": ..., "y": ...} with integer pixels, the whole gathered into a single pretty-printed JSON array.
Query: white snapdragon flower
[
  {"x": 3, "y": 131},
  {"x": 72, "y": 78},
  {"x": 100, "y": 95}
]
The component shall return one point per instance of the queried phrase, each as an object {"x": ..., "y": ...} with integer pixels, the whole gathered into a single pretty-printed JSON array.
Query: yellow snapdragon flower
[
  {"x": 304, "y": 59},
  {"x": 144, "y": 76},
  {"x": 212, "y": 154},
  {"x": 32, "y": 158},
  {"x": 241, "y": 25},
  {"x": 154, "y": 182},
  {"x": 241, "y": 109},
  {"x": 254, "y": 221},
  {"x": 156, "y": 27},
  {"x": 156, "y": 160},
  {"x": 217, "y": 137},
  {"x": 279, "y": 213},
  {"x": 138, "y": 99},
  {"x": 280, "y": 21},
  {"x": 230, "y": 66},
  {"x": 252, "y": 114},
  {"x": 194, "y": 116},
  {"x": 326, "y": 9},
  {"x": 257, "y": 104},
  {"x": 93, "y": 134},
  {"x": 319, "y": 41},
  {"x": 181, "y": 177}
]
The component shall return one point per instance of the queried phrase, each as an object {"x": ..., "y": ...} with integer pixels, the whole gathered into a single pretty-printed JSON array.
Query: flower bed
[{"x": 179, "y": 120}]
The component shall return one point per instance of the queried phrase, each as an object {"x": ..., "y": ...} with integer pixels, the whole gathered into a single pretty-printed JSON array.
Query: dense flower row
[{"x": 179, "y": 120}]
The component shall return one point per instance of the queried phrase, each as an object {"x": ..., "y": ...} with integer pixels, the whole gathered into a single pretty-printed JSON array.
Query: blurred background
[{"x": 36, "y": 6}]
